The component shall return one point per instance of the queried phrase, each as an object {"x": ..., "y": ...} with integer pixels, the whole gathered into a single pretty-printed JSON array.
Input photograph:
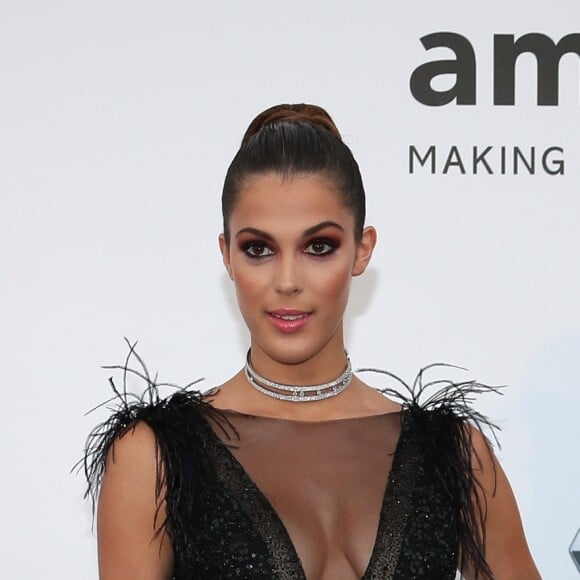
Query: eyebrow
[{"x": 306, "y": 233}]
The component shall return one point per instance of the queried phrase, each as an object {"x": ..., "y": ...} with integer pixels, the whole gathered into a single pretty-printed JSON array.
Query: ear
[
  {"x": 364, "y": 250},
  {"x": 225, "y": 250}
]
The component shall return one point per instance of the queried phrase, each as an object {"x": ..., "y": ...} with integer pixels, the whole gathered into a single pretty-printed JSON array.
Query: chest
[{"x": 319, "y": 502}]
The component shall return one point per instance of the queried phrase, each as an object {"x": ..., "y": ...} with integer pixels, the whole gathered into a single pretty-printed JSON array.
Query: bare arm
[
  {"x": 128, "y": 547},
  {"x": 506, "y": 549}
]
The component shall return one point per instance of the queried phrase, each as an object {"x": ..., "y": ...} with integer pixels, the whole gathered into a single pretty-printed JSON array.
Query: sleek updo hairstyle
[{"x": 295, "y": 140}]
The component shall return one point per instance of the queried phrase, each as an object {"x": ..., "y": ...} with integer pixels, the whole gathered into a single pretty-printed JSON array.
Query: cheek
[
  {"x": 250, "y": 283},
  {"x": 333, "y": 284}
]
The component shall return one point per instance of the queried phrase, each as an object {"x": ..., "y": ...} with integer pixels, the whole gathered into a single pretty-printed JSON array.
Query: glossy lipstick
[{"x": 287, "y": 320}]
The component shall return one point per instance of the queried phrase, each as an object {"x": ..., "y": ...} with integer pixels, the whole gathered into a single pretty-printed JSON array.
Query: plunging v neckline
[{"x": 251, "y": 486}]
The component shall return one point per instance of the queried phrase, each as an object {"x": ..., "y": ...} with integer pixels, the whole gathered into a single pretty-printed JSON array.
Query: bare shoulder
[
  {"x": 135, "y": 446},
  {"x": 374, "y": 400},
  {"x": 130, "y": 511},
  {"x": 506, "y": 548}
]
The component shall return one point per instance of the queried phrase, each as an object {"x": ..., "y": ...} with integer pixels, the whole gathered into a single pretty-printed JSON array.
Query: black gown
[{"x": 382, "y": 497}]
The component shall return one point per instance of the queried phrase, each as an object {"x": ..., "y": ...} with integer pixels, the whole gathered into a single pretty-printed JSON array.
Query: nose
[{"x": 288, "y": 277}]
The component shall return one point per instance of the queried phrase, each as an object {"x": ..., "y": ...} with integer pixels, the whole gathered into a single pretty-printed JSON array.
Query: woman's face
[{"x": 291, "y": 255}]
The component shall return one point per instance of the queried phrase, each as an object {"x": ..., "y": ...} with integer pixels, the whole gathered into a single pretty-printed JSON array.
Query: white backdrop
[{"x": 117, "y": 122}]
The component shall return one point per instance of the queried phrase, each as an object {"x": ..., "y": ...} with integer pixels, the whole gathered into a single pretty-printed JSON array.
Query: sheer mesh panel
[{"x": 319, "y": 486}]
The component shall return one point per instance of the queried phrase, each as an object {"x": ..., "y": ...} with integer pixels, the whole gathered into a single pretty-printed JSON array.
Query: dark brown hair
[{"x": 291, "y": 140}]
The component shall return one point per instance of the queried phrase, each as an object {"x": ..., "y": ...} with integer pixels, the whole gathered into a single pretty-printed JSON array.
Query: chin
[
  {"x": 291, "y": 351},
  {"x": 293, "y": 357}
]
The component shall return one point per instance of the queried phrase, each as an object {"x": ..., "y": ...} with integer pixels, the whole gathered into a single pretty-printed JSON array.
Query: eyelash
[{"x": 246, "y": 248}]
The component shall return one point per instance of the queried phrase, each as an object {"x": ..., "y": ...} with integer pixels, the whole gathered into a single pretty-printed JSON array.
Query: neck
[
  {"x": 297, "y": 393},
  {"x": 295, "y": 368}
]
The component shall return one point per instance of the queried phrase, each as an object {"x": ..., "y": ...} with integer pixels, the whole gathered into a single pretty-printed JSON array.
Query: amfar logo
[
  {"x": 506, "y": 50},
  {"x": 490, "y": 159}
]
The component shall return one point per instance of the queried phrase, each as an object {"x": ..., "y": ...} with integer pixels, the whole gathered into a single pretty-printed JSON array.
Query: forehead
[{"x": 298, "y": 202}]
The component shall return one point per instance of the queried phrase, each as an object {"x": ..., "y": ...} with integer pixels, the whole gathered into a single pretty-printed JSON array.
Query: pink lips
[{"x": 287, "y": 320}]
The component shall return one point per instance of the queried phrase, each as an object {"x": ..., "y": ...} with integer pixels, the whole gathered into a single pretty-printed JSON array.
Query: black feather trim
[
  {"x": 442, "y": 412},
  {"x": 178, "y": 422}
]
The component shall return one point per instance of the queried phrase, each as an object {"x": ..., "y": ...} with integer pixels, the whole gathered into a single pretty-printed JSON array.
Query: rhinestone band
[{"x": 298, "y": 393}]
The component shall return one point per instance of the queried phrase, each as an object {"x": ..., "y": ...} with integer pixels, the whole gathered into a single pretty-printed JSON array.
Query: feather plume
[
  {"x": 442, "y": 413},
  {"x": 183, "y": 471}
]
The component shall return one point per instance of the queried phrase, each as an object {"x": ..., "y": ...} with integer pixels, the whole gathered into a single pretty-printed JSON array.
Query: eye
[
  {"x": 321, "y": 247},
  {"x": 257, "y": 250}
]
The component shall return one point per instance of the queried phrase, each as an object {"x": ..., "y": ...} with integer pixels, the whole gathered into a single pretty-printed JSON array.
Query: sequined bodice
[{"x": 335, "y": 500}]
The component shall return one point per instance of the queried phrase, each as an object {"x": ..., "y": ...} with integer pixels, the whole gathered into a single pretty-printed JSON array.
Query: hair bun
[{"x": 295, "y": 112}]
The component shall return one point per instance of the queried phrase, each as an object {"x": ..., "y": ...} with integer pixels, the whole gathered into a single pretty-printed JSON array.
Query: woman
[{"x": 295, "y": 468}]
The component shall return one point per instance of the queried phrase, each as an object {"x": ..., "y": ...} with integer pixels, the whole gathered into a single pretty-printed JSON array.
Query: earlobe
[
  {"x": 225, "y": 251},
  {"x": 364, "y": 250}
]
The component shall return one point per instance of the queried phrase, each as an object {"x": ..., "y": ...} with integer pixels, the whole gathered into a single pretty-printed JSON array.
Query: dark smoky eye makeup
[
  {"x": 255, "y": 248},
  {"x": 321, "y": 246},
  {"x": 317, "y": 247}
]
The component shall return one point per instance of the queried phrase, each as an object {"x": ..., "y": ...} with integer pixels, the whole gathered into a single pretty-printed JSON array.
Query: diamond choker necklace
[{"x": 298, "y": 393}]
